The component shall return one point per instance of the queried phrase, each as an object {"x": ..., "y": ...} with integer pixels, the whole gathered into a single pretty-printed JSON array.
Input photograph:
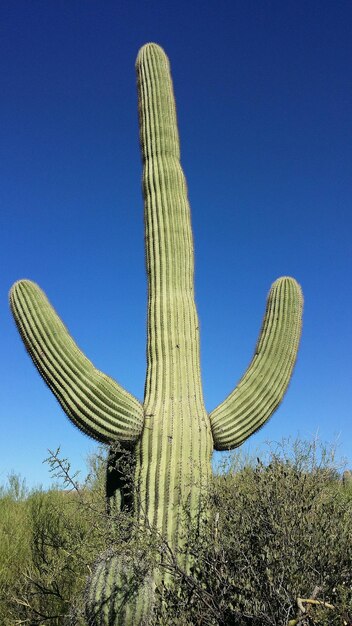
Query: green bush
[
  {"x": 279, "y": 530},
  {"x": 47, "y": 541},
  {"x": 15, "y": 538}
]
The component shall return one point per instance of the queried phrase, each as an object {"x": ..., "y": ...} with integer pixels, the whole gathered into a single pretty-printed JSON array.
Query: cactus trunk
[
  {"x": 173, "y": 454},
  {"x": 172, "y": 434}
]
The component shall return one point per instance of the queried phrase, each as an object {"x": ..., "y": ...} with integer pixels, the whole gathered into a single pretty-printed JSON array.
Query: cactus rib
[{"x": 93, "y": 401}]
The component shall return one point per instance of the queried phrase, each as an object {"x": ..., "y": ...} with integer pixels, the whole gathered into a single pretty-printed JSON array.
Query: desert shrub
[
  {"x": 14, "y": 540},
  {"x": 48, "y": 541},
  {"x": 62, "y": 533},
  {"x": 277, "y": 531}
]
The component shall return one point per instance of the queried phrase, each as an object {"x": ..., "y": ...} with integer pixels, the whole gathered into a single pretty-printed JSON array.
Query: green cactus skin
[
  {"x": 347, "y": 478},
  {"x": 93, "y": 401},
  {"x": 121, "y": 591},
  {"x": 172, "y": 434}
]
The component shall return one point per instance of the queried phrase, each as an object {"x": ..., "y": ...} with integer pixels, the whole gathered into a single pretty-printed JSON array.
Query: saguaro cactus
[{"x": 172, "y": 432}]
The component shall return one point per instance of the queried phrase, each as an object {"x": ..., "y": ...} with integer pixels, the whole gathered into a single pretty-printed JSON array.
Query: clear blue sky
[{"x": 263, "y": 95}]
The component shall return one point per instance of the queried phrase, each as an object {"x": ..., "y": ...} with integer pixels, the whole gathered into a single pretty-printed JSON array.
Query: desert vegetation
[
  {"x": 170, "y": 433},
  {"x": 274, "y": 547}
]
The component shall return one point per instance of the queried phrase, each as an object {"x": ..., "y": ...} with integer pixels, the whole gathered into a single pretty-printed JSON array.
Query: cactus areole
[{"x": 171, "y": 431}]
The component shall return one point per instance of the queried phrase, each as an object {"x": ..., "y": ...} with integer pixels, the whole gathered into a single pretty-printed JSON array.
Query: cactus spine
[{"x": 172, "y": 433}]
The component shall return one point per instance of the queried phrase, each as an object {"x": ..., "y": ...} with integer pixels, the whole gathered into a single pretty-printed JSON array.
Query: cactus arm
[
  {"x": 263, "y": 386},
  {"x": 93, "y": 401}
]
